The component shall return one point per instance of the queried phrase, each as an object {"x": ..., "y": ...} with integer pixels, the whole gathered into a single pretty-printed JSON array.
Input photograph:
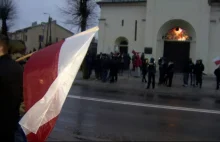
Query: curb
[{"x": 84, "y": 138}]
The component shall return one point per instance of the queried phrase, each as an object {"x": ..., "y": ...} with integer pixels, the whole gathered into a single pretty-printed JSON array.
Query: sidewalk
[{"x": 134, "y": 86}]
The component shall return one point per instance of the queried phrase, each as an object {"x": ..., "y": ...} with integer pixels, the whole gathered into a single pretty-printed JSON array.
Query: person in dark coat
[
  {"x": 98, "y": 67},
  {"x": 217, "y": 74},
  {"x": 133, "y": 62},
  {"x": 105, "y": 67},
  {"x": 86, "y": 67},
  {"x": 144, "y": 70},
  {"x": 164, "y": 71},
  {"x": 114, "y": 69},
  {"x": 11, "y": 87},
  {"x": 151, "y": 73},
  {"x": 160, "y": 71},
  {"x": 127, "y": 61},
  {"x": 199, "y": 68},
  {"x": 170, "y": 73},
  {"x": 186, "y": 72},
  {"x": 121, "y": 60},
  {"x": 191, "y": 69}
]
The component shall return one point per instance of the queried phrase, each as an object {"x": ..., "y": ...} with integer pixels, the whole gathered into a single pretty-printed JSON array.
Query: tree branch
[{"x": 80, "y": 13}]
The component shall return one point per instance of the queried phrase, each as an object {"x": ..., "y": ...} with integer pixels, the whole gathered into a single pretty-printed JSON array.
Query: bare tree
[
  {"x": 7, "y": 15},
  {"x": 81, "y": 13}
]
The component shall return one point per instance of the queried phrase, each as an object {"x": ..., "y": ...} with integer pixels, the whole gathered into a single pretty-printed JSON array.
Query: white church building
[{"x": 175, "y": 29}]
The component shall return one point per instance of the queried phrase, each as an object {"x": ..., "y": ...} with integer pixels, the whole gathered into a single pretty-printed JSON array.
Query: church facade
[{"x": 175, "y": 29}]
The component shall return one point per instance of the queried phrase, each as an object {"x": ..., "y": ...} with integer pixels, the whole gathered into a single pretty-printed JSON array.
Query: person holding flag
[
  {"x": 48, "y": 77},
  {"x": 11, "y": 82}
]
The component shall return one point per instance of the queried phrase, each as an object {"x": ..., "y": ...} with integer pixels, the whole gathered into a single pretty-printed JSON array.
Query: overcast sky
[{"x": 33, "y": 10}]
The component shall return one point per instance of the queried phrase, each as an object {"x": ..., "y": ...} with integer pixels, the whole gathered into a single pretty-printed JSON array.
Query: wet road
[{"x": 113, "y": 115}]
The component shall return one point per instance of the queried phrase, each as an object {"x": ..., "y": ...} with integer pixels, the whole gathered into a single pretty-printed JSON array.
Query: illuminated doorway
[{"x": 177, "y": 47}]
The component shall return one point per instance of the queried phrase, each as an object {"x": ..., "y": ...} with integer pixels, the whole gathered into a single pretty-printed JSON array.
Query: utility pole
[
  {"x": 49, "y": 28},
  {"x": 41, "y": 40},
  {"x": 50, "y": 38},
  {"x": 47, "y": 31}
]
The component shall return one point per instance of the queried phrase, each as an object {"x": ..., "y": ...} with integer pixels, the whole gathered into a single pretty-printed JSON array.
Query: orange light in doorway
[{"x": 177, "y": 34}]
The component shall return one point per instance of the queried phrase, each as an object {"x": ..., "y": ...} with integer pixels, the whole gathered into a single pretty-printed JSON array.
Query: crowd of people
[
  {"x": 192, "y": 73},
  {"x": 108, "y": 66}
]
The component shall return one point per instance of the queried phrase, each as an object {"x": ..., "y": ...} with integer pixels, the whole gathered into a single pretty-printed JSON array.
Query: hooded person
[
  {"x": 199, "y": 68},
  {"x": 151, "y": 73}
]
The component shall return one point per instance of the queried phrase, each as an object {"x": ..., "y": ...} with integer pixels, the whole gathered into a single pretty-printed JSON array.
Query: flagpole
[{"x": 25, "y": 57}]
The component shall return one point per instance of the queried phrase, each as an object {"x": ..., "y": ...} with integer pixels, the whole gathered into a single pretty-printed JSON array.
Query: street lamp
[
  {"x": 49, "y": 27},
  {"x": 41, "y": 38}
]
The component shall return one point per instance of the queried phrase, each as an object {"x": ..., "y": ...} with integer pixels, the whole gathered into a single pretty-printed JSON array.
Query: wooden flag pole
[{"x": 25, "y": 57}]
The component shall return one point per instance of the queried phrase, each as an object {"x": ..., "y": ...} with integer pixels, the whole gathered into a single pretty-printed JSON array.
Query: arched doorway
[
  {"x": 176, "y": 42},
  {"x": 177, "y": 47},
  {"x": 122, "y": 44}
]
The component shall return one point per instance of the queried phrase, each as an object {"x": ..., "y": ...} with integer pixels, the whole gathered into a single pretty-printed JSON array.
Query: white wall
[
  {"x": 111, "y": 29},
  {"x": 196, "y": 13},
  {"x": 214, "y": 39}
]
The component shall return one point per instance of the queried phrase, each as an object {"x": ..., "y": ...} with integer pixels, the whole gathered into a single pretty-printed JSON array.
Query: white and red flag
[
  {"x": 217, "y": 60},
  {"x": 48, "y": 77}
]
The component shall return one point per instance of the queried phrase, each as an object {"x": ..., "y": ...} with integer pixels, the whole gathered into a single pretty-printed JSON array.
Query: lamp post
[
  {"x": 49, "y": 28},
  {"x": 41, "y": 38}
]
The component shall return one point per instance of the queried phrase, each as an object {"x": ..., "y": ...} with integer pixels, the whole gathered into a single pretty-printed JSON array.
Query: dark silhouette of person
[
  {"x": 11, "y": 87},
  {"x": 170, "y": 73},
  {"x": 114, "y": 69},
  {"x": 186, "y": 72},
  {"x": 191, "y": 74},
  {"x": 121, "y": 59},
  {"x": 160, "y": 70},
  {"x": 217, "y": 74},
  {"x": 199, "y": 68},
  {"x": 105, "y": 67},
  {"x": 151, "y": 73},
  {"x": 144, "y": 70},
  {"x": 164, "y": 70},
  {"x": 98, "y": 67},
  {"x": 133, "y": 62}
]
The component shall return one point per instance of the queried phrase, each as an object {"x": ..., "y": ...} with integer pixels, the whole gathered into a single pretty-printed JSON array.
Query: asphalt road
[{"x": 97, "y": 114}]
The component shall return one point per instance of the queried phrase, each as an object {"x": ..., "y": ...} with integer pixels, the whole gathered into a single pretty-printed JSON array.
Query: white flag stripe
[{"x": 71, "y": 56}]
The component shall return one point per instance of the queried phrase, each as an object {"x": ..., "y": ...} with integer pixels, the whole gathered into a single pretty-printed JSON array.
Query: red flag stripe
[{"x": 46, "y": 59}]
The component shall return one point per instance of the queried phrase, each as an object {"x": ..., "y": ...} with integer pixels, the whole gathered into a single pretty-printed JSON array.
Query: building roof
[
  {"x": 119, "y": 1},
  {"x": 37, "y": 25}
]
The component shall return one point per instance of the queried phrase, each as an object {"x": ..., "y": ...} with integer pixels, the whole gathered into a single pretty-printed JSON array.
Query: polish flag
[
  {"x": 217, "y": 60},
  {"x": 48, "y": 77}
]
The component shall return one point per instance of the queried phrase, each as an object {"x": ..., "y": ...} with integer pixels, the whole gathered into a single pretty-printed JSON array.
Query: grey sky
[{"x": 33, "y": 10}]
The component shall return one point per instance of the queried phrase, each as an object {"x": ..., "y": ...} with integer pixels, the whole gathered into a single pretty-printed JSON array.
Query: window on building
[
  {"x": 57, "y": 39},
  {"x": 148, "y": 50},
  {"x": 122, "y": 23},
  {"x": 135, "y": 32},
  {"x": 41, "y": 38}
]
